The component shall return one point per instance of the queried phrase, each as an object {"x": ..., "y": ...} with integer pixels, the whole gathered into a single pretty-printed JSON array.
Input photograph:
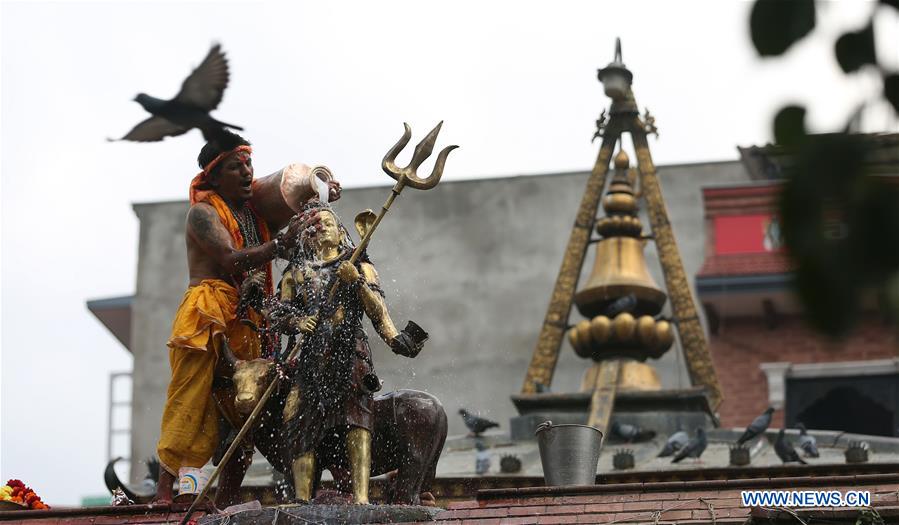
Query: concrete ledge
[
  {"x": 664, "y": 411},
  {"x": 825, "y": 438},
  {"x": 870, "y": 367}
]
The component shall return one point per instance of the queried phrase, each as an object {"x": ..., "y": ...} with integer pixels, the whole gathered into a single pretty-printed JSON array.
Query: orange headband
[
  {"x": 221, "y": 156},
  {"x": 196, "y": 194}
]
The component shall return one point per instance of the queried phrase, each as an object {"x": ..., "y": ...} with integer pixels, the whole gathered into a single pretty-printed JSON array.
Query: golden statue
[{"x": 328, "y": 410}]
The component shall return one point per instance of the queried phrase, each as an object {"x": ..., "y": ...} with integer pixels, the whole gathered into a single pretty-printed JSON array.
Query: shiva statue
[{"x": 329, "y": 409}]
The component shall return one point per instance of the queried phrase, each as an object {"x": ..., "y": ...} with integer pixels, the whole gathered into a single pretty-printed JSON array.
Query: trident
[{"x": 404, "y": 177}]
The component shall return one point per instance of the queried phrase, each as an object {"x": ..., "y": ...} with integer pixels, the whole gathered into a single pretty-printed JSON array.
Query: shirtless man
[{"x": 226, "y": 239}]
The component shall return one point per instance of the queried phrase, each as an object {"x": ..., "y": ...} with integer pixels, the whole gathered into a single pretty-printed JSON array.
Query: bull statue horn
[
  {"x": 143, "y": 494},
  {"x": 226, "y": 351},
  {"x": 364, "y": 221}
]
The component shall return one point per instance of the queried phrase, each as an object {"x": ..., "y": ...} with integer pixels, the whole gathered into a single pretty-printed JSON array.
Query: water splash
[{"x": 324, "y": 190}]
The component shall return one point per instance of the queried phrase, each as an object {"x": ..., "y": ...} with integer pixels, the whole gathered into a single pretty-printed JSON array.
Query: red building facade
[{"x": 764, "y": 353}]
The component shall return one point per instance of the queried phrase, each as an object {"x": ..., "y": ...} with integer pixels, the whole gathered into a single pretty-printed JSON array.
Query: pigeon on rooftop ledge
[
  {"x": 758, "y": 426},
  {"x": 631, "y": 433},
  {"x": 807, "y": 443},
  {"x": 476, "y": 424},
  {"x": 675, "y": 443},
  {"x": 694, "y": 448},
  {"x": 784, "y": 449}
]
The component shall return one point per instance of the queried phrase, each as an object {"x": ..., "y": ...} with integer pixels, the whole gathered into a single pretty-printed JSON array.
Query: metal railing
[{"x": 116, "y": 401}]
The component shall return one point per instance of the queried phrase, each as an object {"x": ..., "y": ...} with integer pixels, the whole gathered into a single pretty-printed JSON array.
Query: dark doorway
[{"x": 859, "y": 405}]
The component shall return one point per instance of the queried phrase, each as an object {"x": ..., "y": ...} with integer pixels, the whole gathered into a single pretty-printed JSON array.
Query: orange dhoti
[{"x": 190, "y": 419}]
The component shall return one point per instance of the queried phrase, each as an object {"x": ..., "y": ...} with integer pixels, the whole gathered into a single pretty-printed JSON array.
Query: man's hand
[
  {"x": 347, "y": 272},
  {"x": 333, "y": 190},
  {"x": 295, "y": 227},
  {"x": 409, "y": 341},
  {"x": 307, "y": 324}
]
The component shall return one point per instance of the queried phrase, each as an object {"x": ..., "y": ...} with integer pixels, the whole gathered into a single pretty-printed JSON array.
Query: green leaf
[
  {"x": 775, "y": 25},
  {"x": 855, "y": 49},
  {"x": 875, "y": 220},
  {"x": 828, "y": 230},
  {"x": 830, "y": 300},
  {"x": 892, "y": 297},
  {"x": 789, "y": 126},
  {"x": 891, "y": 90}
]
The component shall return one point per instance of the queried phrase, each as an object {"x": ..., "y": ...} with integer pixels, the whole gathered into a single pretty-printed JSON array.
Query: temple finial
[{"x": 618, "y": 50}]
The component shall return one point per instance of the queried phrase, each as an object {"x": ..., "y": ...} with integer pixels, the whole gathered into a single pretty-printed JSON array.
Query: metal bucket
[{"x": 569, "y": 453}]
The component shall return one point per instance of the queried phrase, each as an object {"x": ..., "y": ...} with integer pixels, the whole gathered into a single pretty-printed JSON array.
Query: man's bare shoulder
[
  {"x": 201, "y": 208},
  {"x": 203, "y": 221}
]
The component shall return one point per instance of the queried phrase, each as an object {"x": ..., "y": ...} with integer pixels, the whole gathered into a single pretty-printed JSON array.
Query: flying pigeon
[
  {"x": 785, "y": 450},
  {"x": 200, "y": 93},
  {"x": 694, "y": 448},
  {"x": 807, "y": 443},
  {"x": 674, "y": 443},
  {"x": 757, "y": 427},
  {"x": 631, "y": 433},
  {"x": 476, "y": 424}
]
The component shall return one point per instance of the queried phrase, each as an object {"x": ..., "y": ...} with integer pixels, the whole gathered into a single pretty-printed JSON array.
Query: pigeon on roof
[
  {"x": 757, "y": 427},
  {"x": 476, "y": 424},
  {"x": 807, "y": 443},
  {"x": 631, "y": 433},
  {"x": 694, "y": 448},
  {"x": 675, "y": 443},
  {"x": 785, "y": 450},
  {"x": 622, "y": 304},
  {"x": 200, "y": 93}
]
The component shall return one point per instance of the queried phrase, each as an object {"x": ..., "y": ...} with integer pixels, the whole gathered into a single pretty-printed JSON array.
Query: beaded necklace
[{"x": 246, "y": 223}]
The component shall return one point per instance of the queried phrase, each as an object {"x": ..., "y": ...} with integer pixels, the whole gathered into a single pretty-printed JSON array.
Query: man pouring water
[{"x": 231, "y": 241}]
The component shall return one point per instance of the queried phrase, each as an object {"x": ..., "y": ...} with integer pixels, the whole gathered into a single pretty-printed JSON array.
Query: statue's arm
[
  {"x": 288, "y": 286},
  {"x": 373, "y": 301},
  {"x": 407, "y": 342},
  {"x": 207, "y": 230}
]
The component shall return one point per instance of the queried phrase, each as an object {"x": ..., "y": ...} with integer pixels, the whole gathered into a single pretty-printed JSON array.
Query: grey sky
[{"x": 332, "y": 83}]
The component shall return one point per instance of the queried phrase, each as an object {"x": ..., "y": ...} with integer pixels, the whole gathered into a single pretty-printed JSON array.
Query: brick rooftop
[{"x": 711, "y": 501}]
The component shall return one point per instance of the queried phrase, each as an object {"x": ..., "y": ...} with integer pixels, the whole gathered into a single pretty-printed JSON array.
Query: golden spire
[
  {"x": 622, "y": 162},
  {"x": 620, "y": 298},
  {"x": 621, "y": 236}
]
